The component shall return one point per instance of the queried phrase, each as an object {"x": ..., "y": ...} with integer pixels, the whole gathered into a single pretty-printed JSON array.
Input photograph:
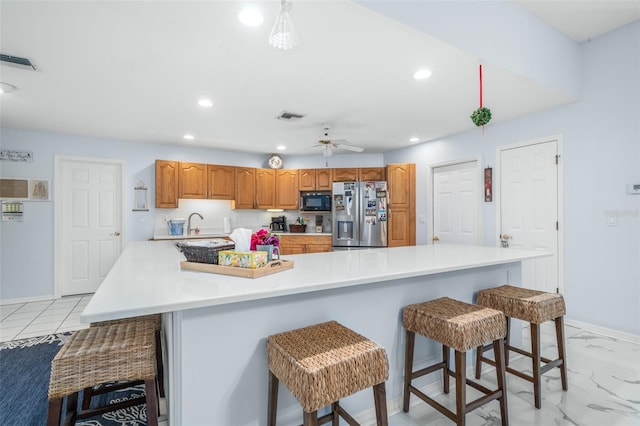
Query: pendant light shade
[{"x": 284, "y": 35}]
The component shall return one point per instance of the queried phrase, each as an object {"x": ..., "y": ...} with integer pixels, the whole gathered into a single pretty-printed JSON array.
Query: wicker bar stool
[
  {"x": 101, "y": 355},
  {"x": 460, "y": 326},
  {"x": 323, "y": 363},
  {"x": 534, "y": 307},
  {"x": 155, "y": 321}
]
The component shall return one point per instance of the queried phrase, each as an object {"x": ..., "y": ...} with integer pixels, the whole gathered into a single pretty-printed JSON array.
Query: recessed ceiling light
[
  {"x": 189, "y": 137},
  {"x": 251, "y": 16},
  {"x": 422, "y": 74},
  {"x": 205, "y": 103},
  {"x": 281, "y": 147},
  {"x": 6, "y": 87},
  {"x": 414, "y": 139}
]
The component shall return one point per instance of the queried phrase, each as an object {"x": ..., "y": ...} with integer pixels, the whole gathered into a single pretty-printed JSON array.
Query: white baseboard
[
  {"x": 609, "y": 332},
  {"x": 25, "y": 299}
]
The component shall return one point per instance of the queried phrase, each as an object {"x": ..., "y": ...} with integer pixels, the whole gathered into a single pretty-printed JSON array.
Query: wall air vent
[
  {"x": 17, "y": 60},
  {"x": 289, "y": 116}
]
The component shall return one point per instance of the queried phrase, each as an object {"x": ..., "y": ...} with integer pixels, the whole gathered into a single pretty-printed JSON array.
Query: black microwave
[{"x": 315, "y": 201}]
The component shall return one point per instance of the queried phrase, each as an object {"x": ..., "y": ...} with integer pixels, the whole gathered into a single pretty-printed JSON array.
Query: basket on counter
[
  {"x": 204, "y": 251},
  {"x": 297, "y": 228}
]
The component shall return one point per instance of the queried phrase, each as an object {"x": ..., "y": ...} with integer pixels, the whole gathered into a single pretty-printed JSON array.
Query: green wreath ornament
[{"x": 481, "y": 116}]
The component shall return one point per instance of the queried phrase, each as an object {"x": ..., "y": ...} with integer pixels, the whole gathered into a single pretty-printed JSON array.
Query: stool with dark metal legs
[
  {"x": 322, "y": 364},
  {"x": 461, "y": 326},
  {"x": 534, "y": 307}
]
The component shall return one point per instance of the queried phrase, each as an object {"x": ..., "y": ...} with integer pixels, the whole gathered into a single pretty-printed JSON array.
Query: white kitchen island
[{"x": 215, "y": 325}]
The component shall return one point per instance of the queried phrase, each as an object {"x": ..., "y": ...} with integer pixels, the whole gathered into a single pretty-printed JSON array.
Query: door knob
[
  {"x": 117, "y": 234},
  {"x": 505, "y": 236},
  {"x": 436, "y": 238}
]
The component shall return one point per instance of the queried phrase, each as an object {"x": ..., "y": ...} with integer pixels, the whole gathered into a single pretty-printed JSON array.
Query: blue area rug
[{"x": 25, "y": 368}]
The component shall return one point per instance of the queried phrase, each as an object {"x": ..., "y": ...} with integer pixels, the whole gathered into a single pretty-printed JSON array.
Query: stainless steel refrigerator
[{"x": 359, "y": 214}]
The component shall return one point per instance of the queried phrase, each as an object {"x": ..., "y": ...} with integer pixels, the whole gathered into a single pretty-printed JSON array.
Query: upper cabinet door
[
  {"x": 222, "y": 181},
  {"x": 324, "y": 179},
  {"x": 307, "y": 179},
  {"x": 287, "y": 195},
  {"x": 166, "y": 184},
  {"x": 345, "y": 175},
  {"x": 245, "y": 188},
  {"x": 193, "y": 181},
  {"x": 266, "y": 188},
  {"x": 372, "y": 174}
]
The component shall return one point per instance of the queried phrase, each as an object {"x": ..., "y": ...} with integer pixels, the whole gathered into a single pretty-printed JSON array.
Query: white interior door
[
  {"x": 456, "y": 200},
  {"x": 89, "y": 223},
  {"x": 529, "y": 209}
]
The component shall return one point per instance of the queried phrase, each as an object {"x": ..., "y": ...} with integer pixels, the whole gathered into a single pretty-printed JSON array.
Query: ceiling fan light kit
[
  {"x": 327, "y": 144},
  {"x": 284, "y": 35}
]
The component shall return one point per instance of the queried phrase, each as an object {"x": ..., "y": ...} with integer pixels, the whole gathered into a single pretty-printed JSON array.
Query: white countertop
[{"x": 147, "y": 278}]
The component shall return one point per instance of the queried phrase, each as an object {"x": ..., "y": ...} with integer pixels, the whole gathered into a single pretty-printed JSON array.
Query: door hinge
[
  {"x": 557, "y": 159},
  {"x": 557, "y": 226}
]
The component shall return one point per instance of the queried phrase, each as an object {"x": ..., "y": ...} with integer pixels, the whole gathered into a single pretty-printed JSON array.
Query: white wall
[{"x": 601, "y": 144}]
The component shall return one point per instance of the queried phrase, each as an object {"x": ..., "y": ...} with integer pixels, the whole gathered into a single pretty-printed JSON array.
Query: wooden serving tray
[{"x": 271, "y": 268}]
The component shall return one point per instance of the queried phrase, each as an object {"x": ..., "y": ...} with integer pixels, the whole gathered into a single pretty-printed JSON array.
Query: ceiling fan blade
[{"x": 351, "y": 147}]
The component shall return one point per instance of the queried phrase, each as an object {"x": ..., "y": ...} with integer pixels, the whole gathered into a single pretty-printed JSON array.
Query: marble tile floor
[
  {"x": 23, "y": 320},
  {"x": 603, "y": 374},
  {"x": 603, "y": 379}
]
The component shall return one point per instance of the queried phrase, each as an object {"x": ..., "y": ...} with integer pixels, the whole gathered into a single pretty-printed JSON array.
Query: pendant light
[{"x": 284, "y": 35}]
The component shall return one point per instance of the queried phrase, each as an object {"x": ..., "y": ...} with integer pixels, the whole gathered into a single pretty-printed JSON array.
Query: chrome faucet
[{"x": 189, "y": 222}]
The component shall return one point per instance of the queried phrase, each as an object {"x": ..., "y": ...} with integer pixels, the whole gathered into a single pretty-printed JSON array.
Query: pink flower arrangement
[{"x": 262, "y": 237}]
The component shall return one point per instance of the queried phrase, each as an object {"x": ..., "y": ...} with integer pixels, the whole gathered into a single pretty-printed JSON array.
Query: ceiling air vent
[
  {"x": 16, "y": 60},
  {"x": 289, "y": 116}
]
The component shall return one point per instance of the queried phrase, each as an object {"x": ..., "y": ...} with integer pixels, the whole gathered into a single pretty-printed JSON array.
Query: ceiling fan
[{"x": 327, "y": 145}]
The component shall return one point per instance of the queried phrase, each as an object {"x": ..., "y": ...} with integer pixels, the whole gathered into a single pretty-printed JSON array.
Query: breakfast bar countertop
[{"x": 147, "y": 278}]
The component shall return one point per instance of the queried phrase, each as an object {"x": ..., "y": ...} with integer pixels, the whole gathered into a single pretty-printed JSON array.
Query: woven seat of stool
[
  {"x": 456, "y": 324},
  {"x": 155, "y": 319},
  {"x": 323, "y": 363},
  {"x": 104, "y": 354},
  {"x": 525, "y": 304}
]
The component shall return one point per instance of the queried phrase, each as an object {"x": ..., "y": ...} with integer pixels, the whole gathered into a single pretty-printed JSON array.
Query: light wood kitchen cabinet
[
  {"x": 366, "y": 174},
  {"x": 315, "y": 179},
  {"x": 192, "y": 181},
  {"x": 307, "y": 179},
  {"x": 287, "y": 196},
  {"x": 302, "y": 244},
  {"x": 324, "y": 179},
  {"x": 166, "y": 184},
  {"x": 245, "y": 188},
  {"x": 401, "y": 188},
  {"x": 221, "y": 182},
  {"x": 345, "y": 175},
  {"x": 265, "y": 189}
]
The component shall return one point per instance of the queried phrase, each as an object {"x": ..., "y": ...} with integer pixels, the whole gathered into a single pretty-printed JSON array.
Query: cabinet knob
[{"x": 116, "y": 234}]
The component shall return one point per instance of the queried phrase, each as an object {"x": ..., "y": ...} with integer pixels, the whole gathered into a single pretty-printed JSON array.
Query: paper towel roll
[{"x": 227, "y": 225}]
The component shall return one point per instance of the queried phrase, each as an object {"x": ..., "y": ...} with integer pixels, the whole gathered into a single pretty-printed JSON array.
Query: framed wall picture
[{"x": 39, "y": 189}]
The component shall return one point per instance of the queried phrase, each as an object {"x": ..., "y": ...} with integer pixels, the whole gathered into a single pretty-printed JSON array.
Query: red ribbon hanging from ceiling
[
  {"x": 481, "y": 95},
  {"x": 481, "y": 86}
]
